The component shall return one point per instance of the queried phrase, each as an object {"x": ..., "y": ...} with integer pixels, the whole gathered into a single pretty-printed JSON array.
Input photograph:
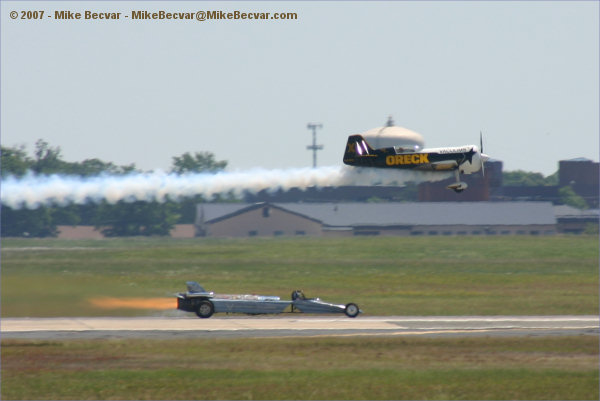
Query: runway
[{"x": 294, "y": 325}]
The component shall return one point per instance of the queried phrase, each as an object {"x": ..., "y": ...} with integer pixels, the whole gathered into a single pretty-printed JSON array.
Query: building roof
[
  {"x": 579, "y": 159},
  {"x": 393, "y": 214},
  {"x": 428, "y": 213},
  {"x": 211, "y": 211},
  {"x": 209, "y": 214},
  {"x": 566, "y": 211}
]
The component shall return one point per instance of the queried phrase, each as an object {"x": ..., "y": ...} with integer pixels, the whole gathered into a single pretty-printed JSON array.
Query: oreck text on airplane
[{"x": 417, "y": 158}]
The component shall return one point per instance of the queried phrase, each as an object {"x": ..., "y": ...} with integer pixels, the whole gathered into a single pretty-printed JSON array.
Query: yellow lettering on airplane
[{"x": 395, "y": 160}]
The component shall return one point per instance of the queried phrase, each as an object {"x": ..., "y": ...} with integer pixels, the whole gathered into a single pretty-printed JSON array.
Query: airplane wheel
[
  {"x": 205, "y": 309},
  {"x": 351, "y": 310}
]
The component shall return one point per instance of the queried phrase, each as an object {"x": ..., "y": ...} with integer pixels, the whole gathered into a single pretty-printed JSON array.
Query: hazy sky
[{"x": 143, "y": 91}]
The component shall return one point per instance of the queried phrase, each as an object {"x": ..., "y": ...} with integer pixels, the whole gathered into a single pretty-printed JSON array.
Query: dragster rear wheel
[
  {"x": 351, "y": 310},
  {"x": 205, "y": 309}
]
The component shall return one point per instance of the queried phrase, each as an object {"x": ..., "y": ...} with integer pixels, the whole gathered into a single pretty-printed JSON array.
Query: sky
[{"x": 525, "y": 74}]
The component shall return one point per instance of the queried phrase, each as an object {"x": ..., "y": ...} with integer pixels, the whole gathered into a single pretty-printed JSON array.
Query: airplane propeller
[
  {"x": 482, "y": 156},
  {"x": 481, "y": 153}
]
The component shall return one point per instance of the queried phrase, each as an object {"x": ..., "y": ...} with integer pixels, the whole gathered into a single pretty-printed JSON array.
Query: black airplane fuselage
[{"x": 464, "y": 159}]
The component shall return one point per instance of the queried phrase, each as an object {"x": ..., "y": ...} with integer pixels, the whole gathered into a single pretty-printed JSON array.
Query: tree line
[{"x": 118, "y": 219}]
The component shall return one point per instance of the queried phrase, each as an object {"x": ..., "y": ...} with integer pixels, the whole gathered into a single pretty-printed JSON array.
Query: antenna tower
[{"x": 314, "y": 147}]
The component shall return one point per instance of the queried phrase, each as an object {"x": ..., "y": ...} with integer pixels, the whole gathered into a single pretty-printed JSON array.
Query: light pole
[{"x": 314, "y": 147}]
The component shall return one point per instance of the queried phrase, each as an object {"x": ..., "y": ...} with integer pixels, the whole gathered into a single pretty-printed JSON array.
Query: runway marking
[
  {"x": 295, "y": 324},
  {"x": 50, "y": 248},
  {"x": 395, "y": 333}
]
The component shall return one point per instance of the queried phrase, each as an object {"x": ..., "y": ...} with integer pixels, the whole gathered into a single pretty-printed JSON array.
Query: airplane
[{"x": 462, "y": 159}]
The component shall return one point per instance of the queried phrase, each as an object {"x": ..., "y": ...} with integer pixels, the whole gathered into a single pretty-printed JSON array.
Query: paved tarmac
[{"x": 294, "y": 325}]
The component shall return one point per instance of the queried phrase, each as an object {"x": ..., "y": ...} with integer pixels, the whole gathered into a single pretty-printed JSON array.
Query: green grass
[
  {"x": 385, "y": 275},
  {"x": 303, "y": 368}
]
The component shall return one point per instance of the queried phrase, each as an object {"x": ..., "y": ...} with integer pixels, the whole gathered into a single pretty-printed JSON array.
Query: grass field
[
  {"x": 304, "y": 368},
  {"x": 385, "y": 276}
]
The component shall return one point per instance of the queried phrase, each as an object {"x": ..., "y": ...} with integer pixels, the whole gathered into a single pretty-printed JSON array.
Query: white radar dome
[{"x": 391, "y": 135}]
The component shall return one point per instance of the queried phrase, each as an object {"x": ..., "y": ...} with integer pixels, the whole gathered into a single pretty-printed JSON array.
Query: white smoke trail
[{"x": 34, "y": 191}]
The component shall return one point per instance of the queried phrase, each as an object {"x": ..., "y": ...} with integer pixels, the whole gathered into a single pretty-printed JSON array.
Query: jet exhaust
[{"x": 34, "y": 191}]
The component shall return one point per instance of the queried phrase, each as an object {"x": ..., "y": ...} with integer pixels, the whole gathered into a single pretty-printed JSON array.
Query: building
[
  {"x": 266, "y": 219},
  {"x": 570, "y": 220},
  {"x": 583, "y": 176},
  {"x": 392, "y": 135},
  {"x": 91, "y": 232},
  {"x": 78, "y": 232},
  {"x": 386, "y": 219},
  {"x": 252, "y": 220},
  {"x": 481, "y": 185}
]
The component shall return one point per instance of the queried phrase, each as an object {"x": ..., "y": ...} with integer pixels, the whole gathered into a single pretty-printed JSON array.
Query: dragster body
[{"x": 205, "y": 303}]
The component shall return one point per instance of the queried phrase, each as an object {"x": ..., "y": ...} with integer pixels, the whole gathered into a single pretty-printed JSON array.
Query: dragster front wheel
[
  {"x": 205, "y": 309},
  {"x": 351, "y": 310}
]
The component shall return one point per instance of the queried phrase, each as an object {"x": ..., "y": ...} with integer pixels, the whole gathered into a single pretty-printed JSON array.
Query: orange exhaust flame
[{"x": 134, "y": 303}]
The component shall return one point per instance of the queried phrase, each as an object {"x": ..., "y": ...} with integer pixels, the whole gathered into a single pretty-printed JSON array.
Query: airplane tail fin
[{"x": 355, "y": 148}]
